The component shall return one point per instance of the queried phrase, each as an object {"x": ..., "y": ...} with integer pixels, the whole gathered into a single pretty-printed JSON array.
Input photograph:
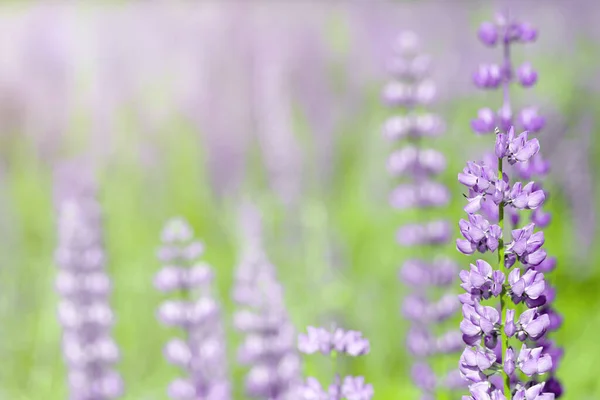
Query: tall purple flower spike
[
  {"x": 84, "y": 311},
  {"x": 411, "y": 90},
  {"x": 202, "y": 353},
  {"x": 269, "y": 347},
  {"x": 491, "y": 332},
  {"x": 333, "y": 343}
]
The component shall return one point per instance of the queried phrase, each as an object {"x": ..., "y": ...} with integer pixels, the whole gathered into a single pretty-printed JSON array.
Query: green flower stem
[{"x": 504, "y": 296}]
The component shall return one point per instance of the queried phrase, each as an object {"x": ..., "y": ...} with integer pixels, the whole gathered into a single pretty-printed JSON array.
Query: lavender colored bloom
[
  {"x": 526, "y": 75},
  {"x": 530, "y": 120},
  {"x": 491, "y": 193},
  {"x": 355, "y": 388},
  {"x": 534, "y": 392},
  {"x": 478, "y": 321},
  {"x": 488, "y": 76},
  {"x": 516, "y": 149},
  {"x": 479, "y": 235},
  {"x": 432, "y": 233},
  {"x": 202, "y": 355},
  {"x": 474, "y": 361},
  {"x": 533, "y": 361},
  {"x": 423, "y": 377},
  {"x": 482, "y": 281},
  {"x": 412, "y": 160},
  {"x": 84, "y": 311},
  {"x": 339, "y": 341},
  {"x": 488, "y": 34},
  {"x": 528, "y": 288},
  {"x": 424, "y": 194},
  {"x": 485, "y": 121},
  {"x": 317, "y": 339},
  {"x": 440, "y": 272}
]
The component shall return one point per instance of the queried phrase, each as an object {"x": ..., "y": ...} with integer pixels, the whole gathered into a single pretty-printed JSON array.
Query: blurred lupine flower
[
  {"x": 202, "y": 355},
  {"x": 269, "y": 347},
  {"x": 411, "y": 90},
  {"x": 490, "y": 191},
  {"x": 333, "y": 343},
  {"x": 84, "y": 310}
]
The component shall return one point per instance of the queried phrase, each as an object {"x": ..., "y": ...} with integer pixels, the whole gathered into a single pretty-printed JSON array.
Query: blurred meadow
[{"x": 195, "y": 108}]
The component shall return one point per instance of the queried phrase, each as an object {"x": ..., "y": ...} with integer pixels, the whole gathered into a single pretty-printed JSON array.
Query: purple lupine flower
[
  {"x": 420, "y": 165},
  {"x": 84, "y": 311},
  {"x": 530, "y": 196},
  {"x": 533, "y": 361},
  {"x": 269, "y": 347},
  {"x": 202, "y": 355},
  {"x": 329, "y": 343},
  {"x": 479, "y": 235},
  {"x": 487, "y": 329}
]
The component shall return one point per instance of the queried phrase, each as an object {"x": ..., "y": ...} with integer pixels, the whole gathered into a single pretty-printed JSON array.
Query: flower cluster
[
  {"x": 411, "y": 90},
  {"x": 201, "y": 354},
  {"x": 489, "y": 192},
  {"x": 269, "y": 347},
  {"x": 483, "y": 328},
  {"x": 84, "y": 287},
  {"x": 332, "y": 343}
]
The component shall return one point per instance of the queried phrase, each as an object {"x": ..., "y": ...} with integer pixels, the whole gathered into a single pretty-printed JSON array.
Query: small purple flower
[
  {"x": 526, "y": 75},
  {"x": 485, "y": 121},
  {"x": 527, "y": 245},
  {"x": 316, "y": 339},
  {"x": 532, "y": 361},
  {"x": 411, "y": 160},
  {"x": 530, "y": 120},
  {"x": 312, "y": 390},
  {"x": 474, "y": 361},
  {"x": 509, "y": 362},
  {"x": 355, "y": 388},
  {"x": 536, "y": 165},
  {"x": 482, "y": 281},
  {"x": 434, "y": 232},
  {"x": 340, "y": 341},
  {"x": 488, "y": 76},
  {"x": 478, "y": 321},
  {"x": 441, "y": 272},
  {"x": 525, "y": 197},
  {"x": 488, "y": 34},
  {"x": 515, "y": 149},
  {"x": 528, "y": 288},
  {"x": 423, "y": 377},
  {"x": 479, "y": 235},
  {"x": 350, "y": 342},
  {"x": 534, "y": 392}
]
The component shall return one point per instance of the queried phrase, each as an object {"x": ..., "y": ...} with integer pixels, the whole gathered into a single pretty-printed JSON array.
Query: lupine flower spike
[
  {"x": 411, "y": 90},
  {"x": 201, "y": 354},
  {"x": 490, "y": 332},
  {"x": 269, "y": 347},
  {"x": 84, "y": 287},
  {"x": 333, "y": 343}
]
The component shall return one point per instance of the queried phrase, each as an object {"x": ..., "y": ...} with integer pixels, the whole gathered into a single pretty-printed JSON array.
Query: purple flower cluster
[
  {"x": 332, "y": 343},
  {"x": 201, "y": 354},
  {"x": 269, "y": 347},
  {"x": 84, "y": 311},
  {"x": 411, "y": 90},
  {"x": 489, "y": 193}
]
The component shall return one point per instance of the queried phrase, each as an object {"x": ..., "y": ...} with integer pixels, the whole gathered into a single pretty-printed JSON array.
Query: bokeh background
[{"x": 194, "y": 108}]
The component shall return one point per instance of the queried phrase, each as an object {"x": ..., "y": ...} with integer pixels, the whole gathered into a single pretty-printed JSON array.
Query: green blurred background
[{"x": 330, "y": 231}]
